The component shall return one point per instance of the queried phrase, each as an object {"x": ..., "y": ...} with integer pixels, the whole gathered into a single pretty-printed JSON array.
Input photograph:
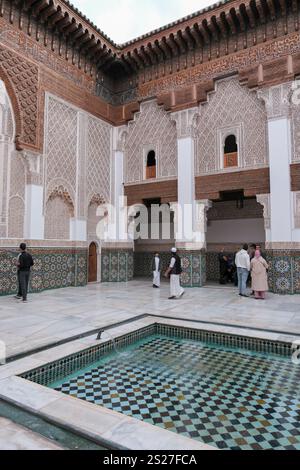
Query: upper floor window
[
  {"x": 231, "y": 152},
  {"x": 151, "y": 165}
]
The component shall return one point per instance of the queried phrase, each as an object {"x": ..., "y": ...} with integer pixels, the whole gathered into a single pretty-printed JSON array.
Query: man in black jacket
[
  {"x": 174, "y": 271},
  {"x": 25, "y": 263}
]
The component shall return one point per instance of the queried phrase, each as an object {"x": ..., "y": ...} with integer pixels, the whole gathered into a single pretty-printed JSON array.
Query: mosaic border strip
[{"x": 59, "y": 369}]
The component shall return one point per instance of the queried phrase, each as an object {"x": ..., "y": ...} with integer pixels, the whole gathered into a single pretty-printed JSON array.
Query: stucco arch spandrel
[
  {"x": 15, "y": 105},
  {"x": 61, "y": 188},
  {"x": 21, "y": 80}
]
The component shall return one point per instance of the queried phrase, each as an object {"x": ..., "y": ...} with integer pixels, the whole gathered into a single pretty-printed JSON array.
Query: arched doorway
[{"x": 93, "y": 268}]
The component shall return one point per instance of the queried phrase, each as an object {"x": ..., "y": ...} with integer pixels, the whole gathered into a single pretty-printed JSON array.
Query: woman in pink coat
[{"x": 259, "y": 274}]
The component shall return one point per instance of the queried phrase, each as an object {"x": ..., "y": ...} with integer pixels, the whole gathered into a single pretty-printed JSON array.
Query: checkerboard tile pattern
[{"x": 223, "y": 397}]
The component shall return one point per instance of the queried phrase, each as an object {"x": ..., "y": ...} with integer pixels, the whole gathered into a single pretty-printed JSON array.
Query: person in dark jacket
[
  {"x": 24, "y": 263},
  {"x": 174, "y": 271}
]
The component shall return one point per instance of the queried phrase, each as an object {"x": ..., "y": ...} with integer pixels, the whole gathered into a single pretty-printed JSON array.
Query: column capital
[
  {"x": 120, "y": 138},
  {"x": 277, "y": 100},
  {"x": 186, "y": 121},
  {"x": 33, "y": 162},
  {"x": 265, "y": 201}
]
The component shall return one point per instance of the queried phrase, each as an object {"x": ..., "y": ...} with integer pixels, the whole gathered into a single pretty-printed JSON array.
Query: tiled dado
[
  {"x": 53, "y": 269},
  {"x": 193, "y": 265},
  {"x": 284, "y": 272},
  {"x": 117, "y": 265}
]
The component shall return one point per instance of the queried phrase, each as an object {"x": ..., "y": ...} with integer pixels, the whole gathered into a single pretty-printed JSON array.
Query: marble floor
[
  {"x": 15, "y": 437},
  {"x": 53, "y": 316}
]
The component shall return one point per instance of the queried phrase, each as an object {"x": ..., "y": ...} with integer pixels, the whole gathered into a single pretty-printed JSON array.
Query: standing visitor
[
  {"x": 242, "y": 261},
  {"x": 24, "y": 263},
  {"x": 175, "y": 270},
  {"x": 223, "y": 260},
  {"x": 156, "y": 269},
  {"x": 259, "y": 272}
]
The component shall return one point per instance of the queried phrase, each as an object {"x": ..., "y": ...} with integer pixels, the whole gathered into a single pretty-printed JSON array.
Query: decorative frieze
[{"x": 277, "y": 100}]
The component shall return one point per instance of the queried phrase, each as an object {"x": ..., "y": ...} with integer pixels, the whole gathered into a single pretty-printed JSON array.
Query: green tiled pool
[{"x": 223, "y": 396}]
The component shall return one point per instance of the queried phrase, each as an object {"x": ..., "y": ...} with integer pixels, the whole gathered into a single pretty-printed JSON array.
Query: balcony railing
[
  {"x": 150, "y": 172},
  {"x": 230, "y": 160}
]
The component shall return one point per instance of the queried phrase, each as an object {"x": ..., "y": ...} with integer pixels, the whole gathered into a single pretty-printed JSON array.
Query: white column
[
  {"x": 78, "y": 225},
  {"x": 280, "y": 150},
  {"x": 34, "y": 221},
  {"x": 118, "y": 219},
  {"x": 78, "y": 230},
  {"x": 186, "y": 211}
]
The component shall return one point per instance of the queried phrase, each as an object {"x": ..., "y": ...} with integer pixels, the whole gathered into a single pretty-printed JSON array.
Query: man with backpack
[
  {"x": 24, "y": 263},
  {"x": 175, "y": 270}
]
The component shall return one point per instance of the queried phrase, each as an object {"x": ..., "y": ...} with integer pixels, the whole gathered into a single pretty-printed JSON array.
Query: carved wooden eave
[
  {"x": 60, "y": 19},
  {"x": 212, "y": 25}
]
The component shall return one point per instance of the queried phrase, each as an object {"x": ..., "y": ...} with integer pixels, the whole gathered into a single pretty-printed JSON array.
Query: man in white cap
[{"x": 175, "y": 270}]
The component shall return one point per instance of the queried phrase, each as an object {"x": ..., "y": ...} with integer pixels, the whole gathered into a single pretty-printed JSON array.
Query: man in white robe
[{"x": 156, "y": 268}]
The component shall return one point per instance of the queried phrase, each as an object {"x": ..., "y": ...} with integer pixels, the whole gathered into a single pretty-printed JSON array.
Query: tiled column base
[
  {"x": 54, "y": 268},
  {"x": 284, "y": 272},
  {"x": 116, "y": 265},
  {"x": 194, "y": 268}
]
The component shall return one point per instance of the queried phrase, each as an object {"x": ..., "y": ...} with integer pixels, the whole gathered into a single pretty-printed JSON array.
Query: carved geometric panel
[
  {"x": 16, "y": 217},
  {"x": 98, "y": 158},
  {"x": 152, "y": 126},
  {"x": 296, "y": 133},
  {"x": 61, "y": 143},
  {"x": 231, "y": 105},
  {"x": 57, "y": 220}
]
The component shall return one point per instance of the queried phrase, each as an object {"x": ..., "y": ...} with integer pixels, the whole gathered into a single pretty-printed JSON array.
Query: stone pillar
[
  {"x": 34, "y": 221},
  {"x": 117, "y": 250},
  {"x": 78, "y": 225},
  {"x": 279, "y": 207},
  {"x": 189, "y": 214}
]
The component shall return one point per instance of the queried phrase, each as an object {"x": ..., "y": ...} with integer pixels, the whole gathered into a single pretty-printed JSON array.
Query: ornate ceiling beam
[
  {"x": 161, "y": 50},
  {"x": 205, "y": 32},
  {"x": 139, "y": 58},
  {"x": 223, "y": 25},
  {"x": 190, "y": 31},
  {"x": 261, "y": 12},
  {"x": 166, "y": 48},
  {"x": 231, "y": 22},
  {"x": 213, "y": 26},
  {"x": 283, "y": 7},
  {"x": 183, "y": 43},
  {"x": 174, "y": 46},
  {"x": 251, "y": 15},
  {"x": 146, "y": 56},
  {"x": 189, "y": 39},
  {"x": 271, "y": 8}
]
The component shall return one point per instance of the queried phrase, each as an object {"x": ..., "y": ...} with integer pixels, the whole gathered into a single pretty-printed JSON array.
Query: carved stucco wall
[
  {"x": 295, "y": 116},
  {"x": 12, "y": 174},
  {"x": 152, "y": 129},
  {"x": 78, "y": 161},
  {"x": 231, "y": 109}
]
